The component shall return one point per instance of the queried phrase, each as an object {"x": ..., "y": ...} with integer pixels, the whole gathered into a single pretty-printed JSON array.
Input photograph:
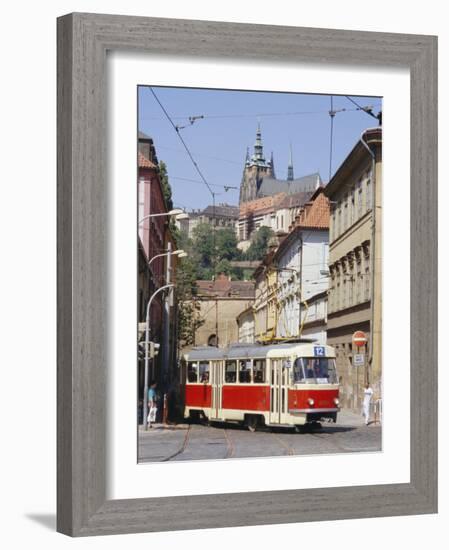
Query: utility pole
[{"x": 166, "y": 321}]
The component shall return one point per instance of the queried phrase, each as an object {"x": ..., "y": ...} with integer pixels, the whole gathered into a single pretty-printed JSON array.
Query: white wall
[
  {"x": 313, "y": 258},
  {"x": 28, "y": 318}
]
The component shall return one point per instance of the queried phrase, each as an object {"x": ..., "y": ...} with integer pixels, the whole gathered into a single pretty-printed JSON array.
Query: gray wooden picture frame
[{"x": 83, "y": 41}]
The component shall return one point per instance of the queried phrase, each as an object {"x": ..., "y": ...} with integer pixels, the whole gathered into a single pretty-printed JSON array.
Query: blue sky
[{"x": 218, "y": 144}]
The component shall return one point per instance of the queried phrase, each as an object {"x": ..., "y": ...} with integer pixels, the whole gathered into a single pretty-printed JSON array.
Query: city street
[{"x": 200, "y": 442}]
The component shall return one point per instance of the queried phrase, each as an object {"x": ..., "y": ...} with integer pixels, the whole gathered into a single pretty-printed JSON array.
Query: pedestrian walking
[
  {"x": 152, "y": 404},
  {"x": 367, "y": 396}
]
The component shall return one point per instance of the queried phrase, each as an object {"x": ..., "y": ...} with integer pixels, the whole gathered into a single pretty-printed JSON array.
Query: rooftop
[{"x": 224, "y": 287}]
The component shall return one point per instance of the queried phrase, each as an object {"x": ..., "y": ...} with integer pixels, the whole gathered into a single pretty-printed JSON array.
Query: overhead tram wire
[
  {"x": 176, "y": 128},
  {"x": 367, "y": 110},
  {"x": 256, "y": 115}
]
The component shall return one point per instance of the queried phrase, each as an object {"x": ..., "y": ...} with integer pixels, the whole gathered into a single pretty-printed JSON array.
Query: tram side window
[
  {"x": 192, "y": 372},
  {"x": 259, "y": 371},
  {"x": 231, "y": 372},
  {"x": 204, "y": 372},
  {"x": 245, "y": 371}
]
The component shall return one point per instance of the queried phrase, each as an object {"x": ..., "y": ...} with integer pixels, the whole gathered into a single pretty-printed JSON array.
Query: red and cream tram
[{"x": 279, "y": 385}]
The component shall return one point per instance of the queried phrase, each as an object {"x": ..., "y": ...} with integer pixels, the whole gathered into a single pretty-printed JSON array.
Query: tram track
[
  {"x": 322, "y": 437},
  {"x": 286, "y": 446},
  {"x": 230, "y": 445},
  {"x": 182, "y": 448}
]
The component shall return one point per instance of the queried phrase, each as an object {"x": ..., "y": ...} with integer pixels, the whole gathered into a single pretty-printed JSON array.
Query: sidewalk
[{"x": 347, "y": 417}]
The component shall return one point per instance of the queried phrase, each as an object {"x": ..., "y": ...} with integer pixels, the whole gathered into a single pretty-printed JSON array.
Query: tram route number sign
[
  {"x": 358, "y": 359},
  {"x": 319, "y": 351}
]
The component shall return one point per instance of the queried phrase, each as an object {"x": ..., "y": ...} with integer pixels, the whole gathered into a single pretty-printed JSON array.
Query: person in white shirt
[{"x": 368, "y": 394}]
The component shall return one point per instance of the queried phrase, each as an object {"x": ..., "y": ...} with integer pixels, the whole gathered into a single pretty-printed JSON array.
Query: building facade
[
  {"x": 245, "y": 323},
  {"x": 265, "y": 305},
  {"x": 277, "y": 212},
  {"x": 153, "y": 239},
  {"x": 301, "y": 261},
  {"x": 355, "y": 299},
  {"x": 221, "y": 301},
  {"x": 220, "y": 216}
]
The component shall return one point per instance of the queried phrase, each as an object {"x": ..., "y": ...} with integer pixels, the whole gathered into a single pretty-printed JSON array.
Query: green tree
[
  {"x": 188, "y": 309},
  {"x": 165, "y": 184},
  {"x": 259, "y": 243},
  {"x": 226, "y": 244}
]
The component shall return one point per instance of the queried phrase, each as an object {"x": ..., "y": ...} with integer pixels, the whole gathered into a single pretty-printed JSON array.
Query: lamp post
[
  {"x": 177, "y": 212},
  {"x": 147, "y": 342},
  {"x": 180, "y": 253}
]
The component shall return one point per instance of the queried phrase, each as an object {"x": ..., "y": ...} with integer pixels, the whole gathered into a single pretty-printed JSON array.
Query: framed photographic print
[{"x": 246, "y": 274}]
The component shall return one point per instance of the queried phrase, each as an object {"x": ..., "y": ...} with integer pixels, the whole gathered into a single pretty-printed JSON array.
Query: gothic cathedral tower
[{"x": 255, "y": 169}]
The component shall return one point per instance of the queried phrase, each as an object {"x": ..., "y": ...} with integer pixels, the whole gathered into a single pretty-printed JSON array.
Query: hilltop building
[
  {"x": 220, "y": 216},
  {"x": 259, "y": 177}
]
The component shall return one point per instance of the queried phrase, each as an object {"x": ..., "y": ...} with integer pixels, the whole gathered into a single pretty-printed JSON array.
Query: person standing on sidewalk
[
  {"x": 152, "y": 406},
  {"x": 367, "y": 395}
]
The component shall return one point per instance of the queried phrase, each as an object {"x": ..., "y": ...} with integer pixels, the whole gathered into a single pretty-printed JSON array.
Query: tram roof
[
  {"x": 256, "y": 351},
  {"x": 205, "y": 353}
]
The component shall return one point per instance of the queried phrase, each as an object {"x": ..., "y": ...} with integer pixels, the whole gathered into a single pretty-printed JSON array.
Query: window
[
  {"x": 259, "y": 371},
  {"x": 311, "y": 370},
  {"x": 346, "y": 222},
  {"x": 245, "y": 371},
  {"x": 368, "y": 191},
  {"x": 192, "y": 372},
  {"x": 358, "y": 282},
  {"x": 367, "y": 284},
  {"x": 360, "y": 198},
  {"x": 231, "y": 372},
  {"x": 353, "y": 212},
  {"x": 212, "y": 340},
  {"x": 204, "y": 372},
  {"x": 350, "y": 289}
]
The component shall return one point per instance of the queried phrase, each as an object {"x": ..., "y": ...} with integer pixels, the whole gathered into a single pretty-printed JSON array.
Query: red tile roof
[
  {"x": 223, "y": 287},
  {"x": 315, "y": 214},
  {"x": 145, "y": 163}
]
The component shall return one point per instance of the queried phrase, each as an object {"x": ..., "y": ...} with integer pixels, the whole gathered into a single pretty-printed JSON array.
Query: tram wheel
[{"x": 251, "y": 423}]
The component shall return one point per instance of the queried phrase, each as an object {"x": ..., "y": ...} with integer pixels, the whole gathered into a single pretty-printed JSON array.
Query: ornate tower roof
[{"x": 290, "y": 176}]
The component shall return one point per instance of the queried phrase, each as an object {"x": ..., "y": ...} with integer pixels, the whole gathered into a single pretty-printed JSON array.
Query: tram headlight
[
  {"x": 336, "y": 401},
  {"x": 311, "y": 401}
]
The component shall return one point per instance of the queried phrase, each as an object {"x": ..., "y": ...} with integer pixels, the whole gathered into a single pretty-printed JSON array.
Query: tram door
[
  {"x": 279, "y": 377},
  {"x": 217, "y": 388}
]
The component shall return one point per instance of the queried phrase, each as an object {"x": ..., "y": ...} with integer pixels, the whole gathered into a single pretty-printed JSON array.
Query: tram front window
[{"x": 314, "y": 370}]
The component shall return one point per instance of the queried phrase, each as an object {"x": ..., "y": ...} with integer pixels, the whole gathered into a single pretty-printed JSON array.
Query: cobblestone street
[{"x": 222, "y": 441}]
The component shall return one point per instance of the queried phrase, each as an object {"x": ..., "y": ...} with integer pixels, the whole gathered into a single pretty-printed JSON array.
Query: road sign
[
  {"x": 358, "y": 359},
  {"x": 359, "y": 338}
]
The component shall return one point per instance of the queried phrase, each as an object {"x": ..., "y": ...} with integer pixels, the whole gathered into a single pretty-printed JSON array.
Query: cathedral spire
[
  {"x": 258, "y": 147},
  {"x": 290, "y": 176},
  {"x": 273, "y": 174}
]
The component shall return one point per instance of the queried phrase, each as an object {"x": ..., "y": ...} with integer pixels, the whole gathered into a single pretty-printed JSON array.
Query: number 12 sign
[{"x": 319, "y": 351}]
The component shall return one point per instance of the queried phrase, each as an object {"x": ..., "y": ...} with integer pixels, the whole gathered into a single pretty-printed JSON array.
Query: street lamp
[
  {"x": 147, "y": 342},
  {"x": 180, "y": 253},
  {"x": 177, "y": 212}
]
